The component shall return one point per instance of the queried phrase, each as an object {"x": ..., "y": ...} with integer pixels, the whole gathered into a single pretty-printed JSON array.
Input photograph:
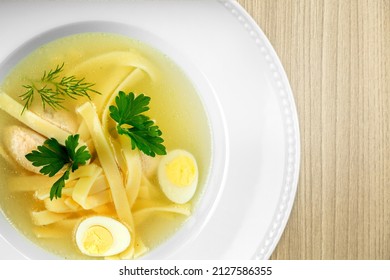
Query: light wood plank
[{"x": 337, "y": 56}]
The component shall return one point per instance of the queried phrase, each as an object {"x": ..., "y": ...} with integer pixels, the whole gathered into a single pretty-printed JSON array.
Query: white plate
[{"x": 231, "y": 51}]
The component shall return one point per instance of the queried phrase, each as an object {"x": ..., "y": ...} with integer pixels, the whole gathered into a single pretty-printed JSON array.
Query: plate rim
[
  {"x": 284, "y": 95},
  {"x": 293, "y": 146}
]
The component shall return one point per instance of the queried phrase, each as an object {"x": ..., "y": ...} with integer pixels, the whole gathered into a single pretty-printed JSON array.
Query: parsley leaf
[
  {"x": 56, "y": 189},
  {"x": 143, "y": 132},
  {"x": 77, "y": 156},
  {"x": 53, "y": 157}
]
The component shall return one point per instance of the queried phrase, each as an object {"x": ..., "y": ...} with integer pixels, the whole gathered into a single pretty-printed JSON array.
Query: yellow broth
[{"x": 106, "y": 60}]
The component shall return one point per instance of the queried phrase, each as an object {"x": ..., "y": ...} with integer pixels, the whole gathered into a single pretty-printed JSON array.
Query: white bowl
[
  {"x": 224, "y": 44},
  {"x": 219, "y": 158}
]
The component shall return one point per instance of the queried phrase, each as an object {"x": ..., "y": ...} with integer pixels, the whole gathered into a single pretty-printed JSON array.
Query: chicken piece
[
  {"x": 150, "y": 165},
  {"x": 63, "y": 119},
  {"x": 20, "y": 141}
]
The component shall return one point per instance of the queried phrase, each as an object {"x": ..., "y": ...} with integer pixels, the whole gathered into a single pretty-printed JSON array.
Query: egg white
[
  {"x": 120, "y": 234},
  {"x": 177, "y": 194}
]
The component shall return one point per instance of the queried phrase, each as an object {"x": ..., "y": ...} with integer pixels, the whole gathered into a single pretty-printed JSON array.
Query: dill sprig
[{"x": 53, "y": 90}]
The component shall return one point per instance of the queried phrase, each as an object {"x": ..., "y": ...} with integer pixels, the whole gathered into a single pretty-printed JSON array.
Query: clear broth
[{"x": 175, "y": 105}]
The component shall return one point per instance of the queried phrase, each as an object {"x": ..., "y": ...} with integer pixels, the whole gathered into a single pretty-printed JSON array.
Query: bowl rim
[{"x": 218, "y": 129}]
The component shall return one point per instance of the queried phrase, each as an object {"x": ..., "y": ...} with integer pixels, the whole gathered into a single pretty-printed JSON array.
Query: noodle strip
[
  {"x": 139, "y": 248},
  {"x": 174, "y": 208},
  {"x": 31, "y": 183},
  {"x": 130, "y": 81},
  {"x": 122, "y": 58},
  {"x": 134, "y": 170},
  {"x": 46, "y": 217},
  {"x": 58, "y": 206},
  {"x": 83, "y": 188},
  {"x": 148, "y": 191},
  {"x": 43, "y": 183},
  {"x": 71, "y": 203},
  {"x": 32, "y": 120},
  {"x": 108, "y": 163},
  {"x": 143, "y": 208},
  {"x": 56, "y": 230}
]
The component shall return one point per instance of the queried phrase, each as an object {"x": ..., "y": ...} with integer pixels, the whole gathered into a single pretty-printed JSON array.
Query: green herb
[
  {"x": 53, "y": 157},
  {"x": 52, "y": 89},
  {"x": 143, "y": 132}
]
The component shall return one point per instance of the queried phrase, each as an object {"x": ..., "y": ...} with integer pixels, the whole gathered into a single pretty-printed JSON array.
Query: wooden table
[{"x": 337, "y": 56}]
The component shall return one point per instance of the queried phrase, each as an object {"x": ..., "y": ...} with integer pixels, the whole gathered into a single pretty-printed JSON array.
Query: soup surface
[{"x": 154, "y": 192}]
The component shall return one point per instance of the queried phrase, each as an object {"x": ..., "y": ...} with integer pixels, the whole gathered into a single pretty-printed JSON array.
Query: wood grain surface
[{"x": 337, "y": 56}]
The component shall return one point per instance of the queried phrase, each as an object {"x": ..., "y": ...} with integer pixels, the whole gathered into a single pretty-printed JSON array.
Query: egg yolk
[
  {"x": 181, "y": 171},
  {"x": 97, "y": 240}
]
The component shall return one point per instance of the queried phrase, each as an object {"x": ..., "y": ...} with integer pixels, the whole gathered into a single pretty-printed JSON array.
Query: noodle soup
[{"x": 120, "y": 203}]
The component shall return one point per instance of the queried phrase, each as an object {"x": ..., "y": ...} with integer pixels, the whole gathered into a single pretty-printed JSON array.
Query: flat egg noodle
[
  {"x": 33, "y": 121},
  {"x": 148, "y": 191},
  {"x": 133, "y": 173},
  {"x": 108, "y": 162},
  {"x": 144, "y": 208},
  {"x": 56, "y": 230},
  {"x": 41, "y": 182},
  {"x": 112, "y": 68},
  {"x": 45, "y": 217},
  {"x": 58, "y": 206},
  {"x": 82, "y": 190}
]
